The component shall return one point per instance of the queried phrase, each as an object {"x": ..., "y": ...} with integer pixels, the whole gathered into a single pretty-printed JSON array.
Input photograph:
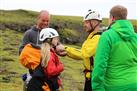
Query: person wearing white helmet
[
  {"x": 46, "y": 75},
  {"x": 92, "y": 22}
]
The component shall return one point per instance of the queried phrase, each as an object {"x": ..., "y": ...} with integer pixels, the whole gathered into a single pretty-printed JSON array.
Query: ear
[{"x": 113, "y": 18}]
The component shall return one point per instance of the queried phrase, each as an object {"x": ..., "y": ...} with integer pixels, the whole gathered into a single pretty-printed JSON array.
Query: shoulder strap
[
  {"x": 91, "y": 58},
  {"x": 35, "y": 46},
  {"x": 91, "y": 61},
  {"x": 97, "y": 33}
]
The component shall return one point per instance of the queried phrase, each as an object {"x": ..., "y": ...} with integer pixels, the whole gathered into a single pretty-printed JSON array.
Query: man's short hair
[{"x": 119, "y": 12}]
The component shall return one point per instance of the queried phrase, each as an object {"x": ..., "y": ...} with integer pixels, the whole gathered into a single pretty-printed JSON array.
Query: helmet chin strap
[{"x": 93, "y": 28}]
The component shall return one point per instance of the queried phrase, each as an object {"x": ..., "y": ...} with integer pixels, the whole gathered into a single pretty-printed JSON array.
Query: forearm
[{"x": 74, "y": 53}]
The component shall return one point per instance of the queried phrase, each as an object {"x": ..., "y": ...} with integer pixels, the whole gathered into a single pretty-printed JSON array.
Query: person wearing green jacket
[{"x": 115, "y": 64}]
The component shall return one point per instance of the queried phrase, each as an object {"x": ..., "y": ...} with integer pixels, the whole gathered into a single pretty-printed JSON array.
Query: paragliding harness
[
  {"x": 88, "y": 80},
  {"x": 91, "y": 58},
  {"x": 40, "y": 81},
  {"x": 37, "y": 79}
]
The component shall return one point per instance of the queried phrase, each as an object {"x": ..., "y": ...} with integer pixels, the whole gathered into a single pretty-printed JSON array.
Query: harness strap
[{"x": 91, "y": 58}]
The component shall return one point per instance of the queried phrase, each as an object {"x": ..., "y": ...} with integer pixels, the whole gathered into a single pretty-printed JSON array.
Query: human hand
[{"x": 60, "y": 50}]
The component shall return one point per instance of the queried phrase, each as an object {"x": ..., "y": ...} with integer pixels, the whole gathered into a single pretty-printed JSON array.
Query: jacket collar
[{"x": 35, "y": 28}]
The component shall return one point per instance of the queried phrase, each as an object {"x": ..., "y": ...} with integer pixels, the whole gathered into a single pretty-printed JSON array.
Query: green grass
[
  {"x": 69, "y": 33},
  {"x": 11, "y": 69},
  {"x": 18, "y": 16},
  {"x": 75, "y": 19}
]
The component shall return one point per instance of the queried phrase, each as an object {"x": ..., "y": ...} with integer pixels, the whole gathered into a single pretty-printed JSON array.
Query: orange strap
[{"x": 46, "y": 87}]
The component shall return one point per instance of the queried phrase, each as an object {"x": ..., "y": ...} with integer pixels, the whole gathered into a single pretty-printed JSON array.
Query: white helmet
[
  {"x": 47, "y": 33},
  {"x": 92, "y": 15}
]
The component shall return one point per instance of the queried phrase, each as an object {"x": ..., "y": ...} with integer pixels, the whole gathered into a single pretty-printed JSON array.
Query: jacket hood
[{"x": 124, "y": 28}]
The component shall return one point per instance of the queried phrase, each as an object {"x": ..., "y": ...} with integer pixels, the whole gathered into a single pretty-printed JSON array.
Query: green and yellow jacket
[
  {"x": 86, "y": 52},
  {"x": 115, "y": 64}
]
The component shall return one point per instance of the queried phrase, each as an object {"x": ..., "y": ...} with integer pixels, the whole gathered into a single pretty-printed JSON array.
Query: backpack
[
  {"x": 30, "y": 57},
  {"x": 39, "y": 78},
  {"x": 54, "y": 66}
]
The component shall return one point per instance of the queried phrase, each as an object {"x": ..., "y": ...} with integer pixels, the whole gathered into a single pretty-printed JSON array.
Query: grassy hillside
[
  {"x": 18, "y": 16},
  {"x": 21, "y": 20},
  {"x": 29, "y": 17},
  {"x": 11, "y": 69}
]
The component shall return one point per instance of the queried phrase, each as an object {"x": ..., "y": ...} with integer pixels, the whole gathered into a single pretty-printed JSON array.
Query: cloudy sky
[{"x": 71, "y": 7}]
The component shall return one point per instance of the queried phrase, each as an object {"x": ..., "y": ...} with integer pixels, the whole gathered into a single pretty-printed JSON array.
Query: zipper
[{"x": 37, "y": 38}]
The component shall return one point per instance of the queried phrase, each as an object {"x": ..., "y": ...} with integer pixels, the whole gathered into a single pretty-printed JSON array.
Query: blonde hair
[{"x": 45, "y": 53}]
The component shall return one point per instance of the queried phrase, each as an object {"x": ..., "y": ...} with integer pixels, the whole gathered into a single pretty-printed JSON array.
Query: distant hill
[
  {"x": 27, "y": 18},
  {"x": 21, "y": 16},
  {"x": 21, "y": 20}
]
